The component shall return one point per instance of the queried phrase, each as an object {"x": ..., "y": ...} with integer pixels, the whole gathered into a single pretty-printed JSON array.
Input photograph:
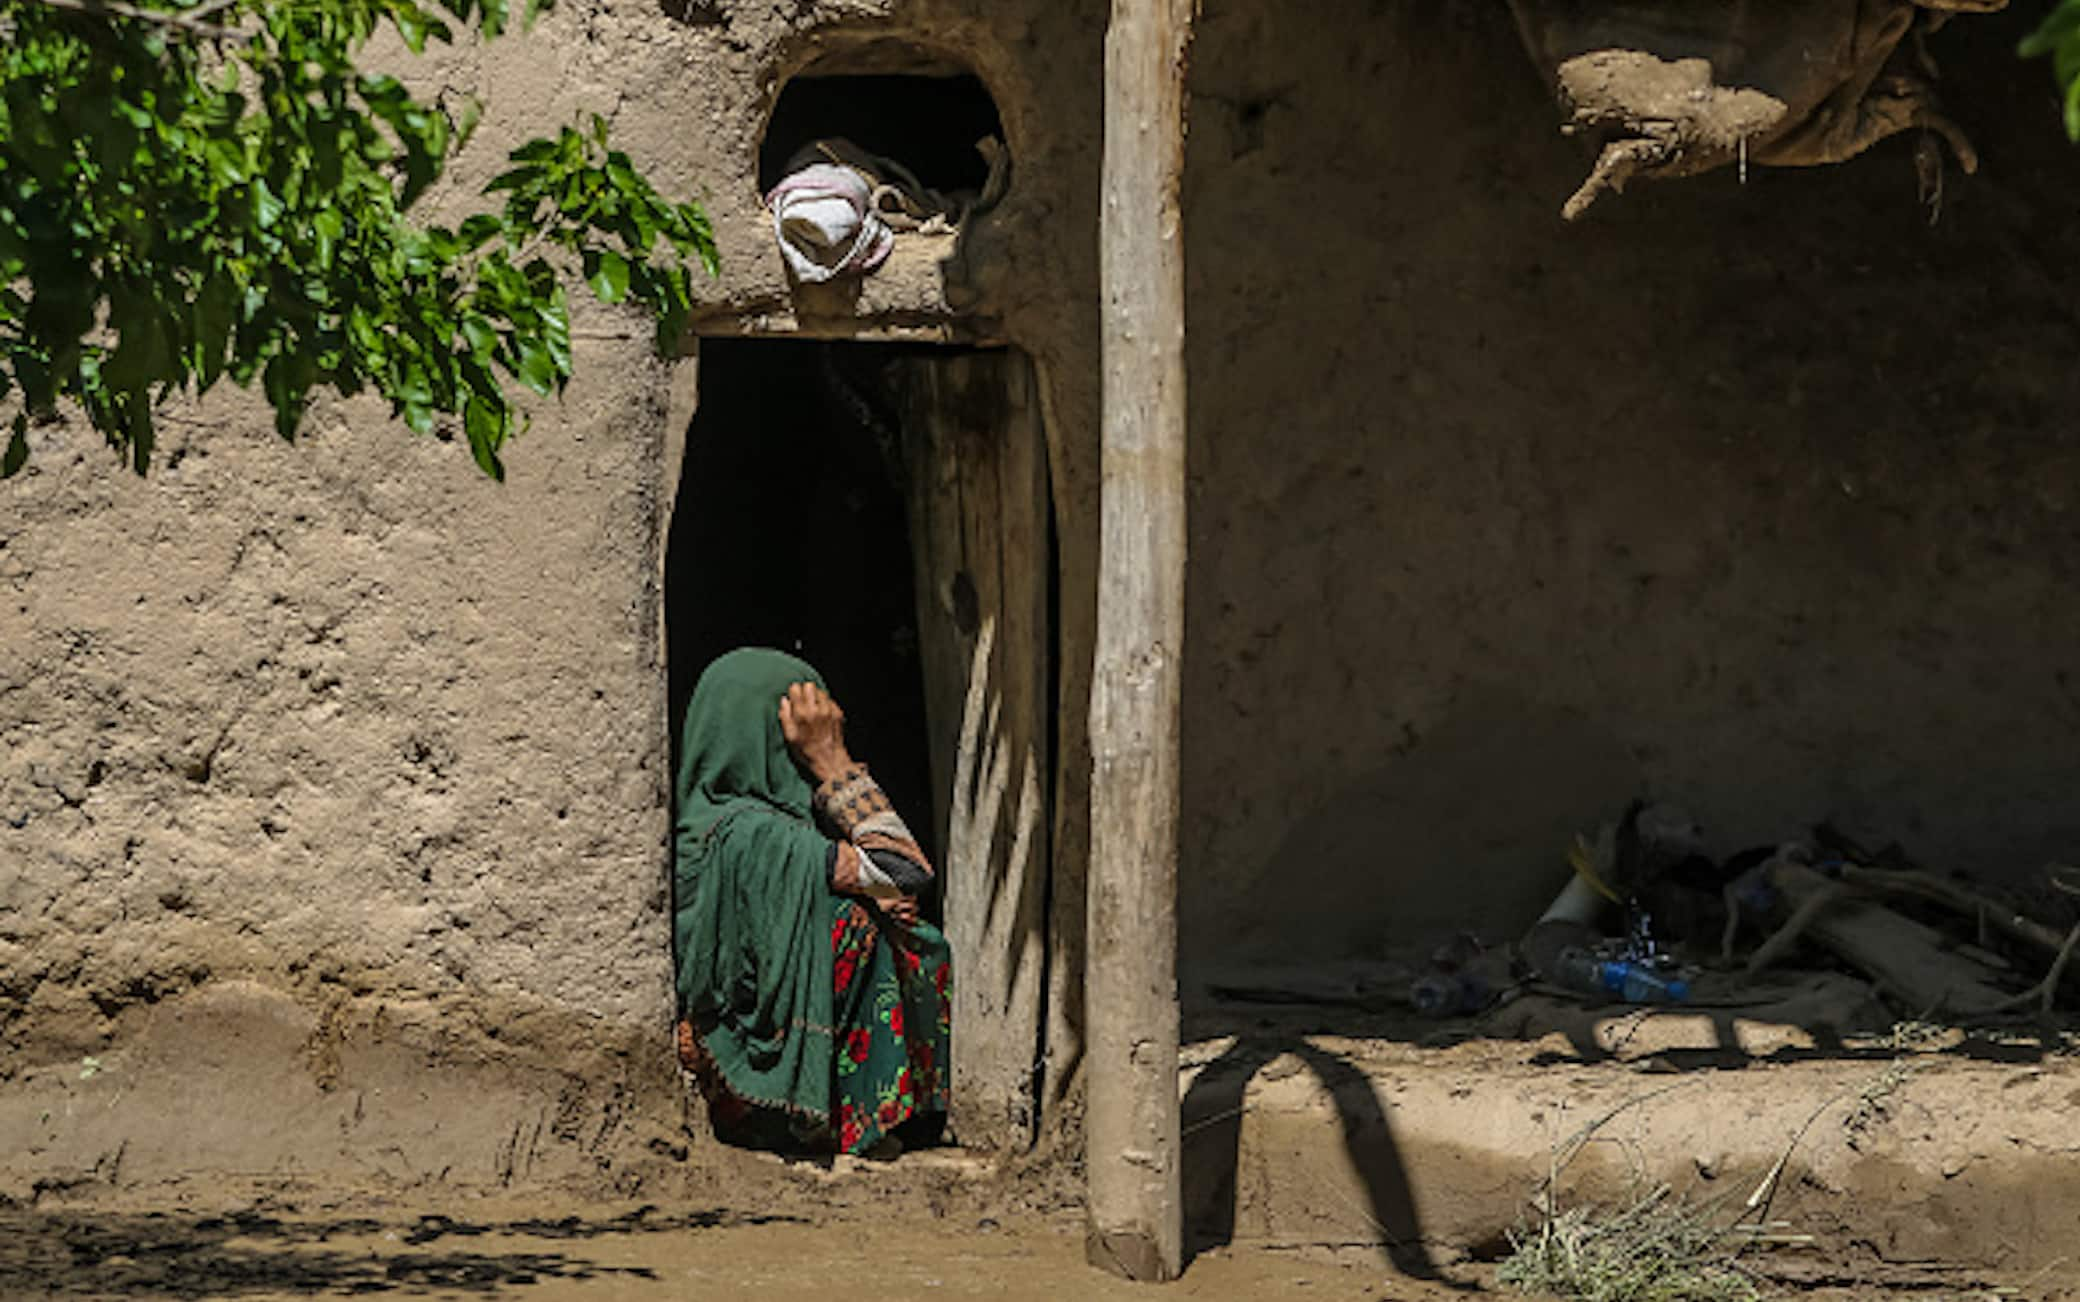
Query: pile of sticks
[{"x": 1844, "y": 910}]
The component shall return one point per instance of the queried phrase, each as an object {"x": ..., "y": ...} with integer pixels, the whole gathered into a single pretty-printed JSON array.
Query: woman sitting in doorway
[{"x": 810, "y": 992}]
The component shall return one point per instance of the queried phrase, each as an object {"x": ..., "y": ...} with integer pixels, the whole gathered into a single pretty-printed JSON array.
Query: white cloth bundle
[{"x": 824, "y": 217}]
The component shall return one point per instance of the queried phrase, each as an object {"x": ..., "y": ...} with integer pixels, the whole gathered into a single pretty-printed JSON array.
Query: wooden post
[{"x": 1136, "y": 1224}]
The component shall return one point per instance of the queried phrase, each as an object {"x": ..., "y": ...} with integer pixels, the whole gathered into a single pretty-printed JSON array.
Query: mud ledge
[
  {"x": 240, "y": 1096},
  {"x": 1953, "y": 1149}
]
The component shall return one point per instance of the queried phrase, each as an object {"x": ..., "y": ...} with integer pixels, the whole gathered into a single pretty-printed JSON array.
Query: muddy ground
[
  {"x": 280, "y": 1247},
  {"x": 1923, "y": 1170}
]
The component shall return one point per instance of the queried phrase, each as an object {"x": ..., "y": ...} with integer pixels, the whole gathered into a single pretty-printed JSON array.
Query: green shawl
[{"x": 752, "y": 905}]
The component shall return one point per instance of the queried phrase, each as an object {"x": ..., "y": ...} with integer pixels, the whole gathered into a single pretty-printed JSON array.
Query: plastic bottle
[
  {"x": 1633, "y": 982},
  {"x": 1448, "y": 994}
]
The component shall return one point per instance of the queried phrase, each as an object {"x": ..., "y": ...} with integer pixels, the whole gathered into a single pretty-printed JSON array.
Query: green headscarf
[{"x": 752, "y": 908}]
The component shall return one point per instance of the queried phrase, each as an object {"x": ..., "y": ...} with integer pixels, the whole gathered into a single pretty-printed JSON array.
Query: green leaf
[
  {"x": 537, "y": 368},
  {"x": 482, "y": 338},
  {"x": 138, "y": 418},
  {"x": 278, "y": 380},
  {"x": 141, "y": 354},
  {"x": 267, "y": 208},
  {"x": 556, "y": 331},
  {"x": 216, "y": 312},
  {"x": 516, "y": 179},
  {"x": 2059, "y": 25},
  {"x": 327, "y": 228},
  {"x": 466, "y": 125},
  {"x": 17, "y": 454},
  {"x": 226, "y": 158},
  {"x": 479, "y": 230},
  {"x": 606, "y": 272},
  {"x": 486, "y": 425}
]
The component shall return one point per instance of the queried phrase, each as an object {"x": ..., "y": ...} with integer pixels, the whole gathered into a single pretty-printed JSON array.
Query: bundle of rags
[{"x": 838, "y": 210}]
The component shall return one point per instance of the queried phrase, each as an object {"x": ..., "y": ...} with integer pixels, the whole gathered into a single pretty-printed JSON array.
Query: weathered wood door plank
[{"x": 980, "y": 526}]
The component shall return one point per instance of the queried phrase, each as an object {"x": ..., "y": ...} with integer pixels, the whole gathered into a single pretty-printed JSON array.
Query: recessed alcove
[{"x": 929, "y": 122}]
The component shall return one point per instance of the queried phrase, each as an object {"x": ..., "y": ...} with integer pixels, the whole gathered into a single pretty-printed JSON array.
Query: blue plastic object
[{"x": 1635, "y": 983}]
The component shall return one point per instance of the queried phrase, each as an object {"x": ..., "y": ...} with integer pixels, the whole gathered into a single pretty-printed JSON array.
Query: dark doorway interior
[{"x": 790, "y": 531}]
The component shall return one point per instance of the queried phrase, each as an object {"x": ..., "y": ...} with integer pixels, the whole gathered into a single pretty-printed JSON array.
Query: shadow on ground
[
  {"x": 91, "y": 1254},
  {"x": 1212, "y": 1132}
]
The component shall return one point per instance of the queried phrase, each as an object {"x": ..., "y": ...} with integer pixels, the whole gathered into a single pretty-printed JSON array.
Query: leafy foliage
[
  {"x": 2059, "y": 36},
  {"x": 221, "y": 190}
]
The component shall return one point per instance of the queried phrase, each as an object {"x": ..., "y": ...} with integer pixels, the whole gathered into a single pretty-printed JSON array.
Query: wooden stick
[
  {"x": 1783, "y": 938},
  {"x": 2045, "y": 992},
  {"x": 1930, "y": 887},
  {"x": 1136, "y": 1223},
  {"x": 1908, "y": 958}
]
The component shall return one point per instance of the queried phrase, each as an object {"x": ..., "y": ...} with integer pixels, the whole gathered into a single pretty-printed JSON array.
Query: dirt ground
[
  {"x": 1936, "y": 1164},
  {"x": 551, "y": 1250}
]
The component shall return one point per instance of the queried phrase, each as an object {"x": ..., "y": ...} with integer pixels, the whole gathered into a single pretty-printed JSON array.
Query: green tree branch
[
  {"x": 2058, "y": 36},
  {"x": 190, "y": 194}
]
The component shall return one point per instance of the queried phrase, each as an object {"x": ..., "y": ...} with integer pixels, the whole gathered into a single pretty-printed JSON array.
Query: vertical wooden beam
[{"x": 1131, "y": 1130}]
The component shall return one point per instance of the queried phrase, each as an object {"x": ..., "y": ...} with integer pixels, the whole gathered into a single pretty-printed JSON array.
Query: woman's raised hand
[{"x": 815, "y": 730}]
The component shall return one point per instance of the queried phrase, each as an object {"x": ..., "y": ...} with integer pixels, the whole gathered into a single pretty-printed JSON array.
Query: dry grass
[{"x": 1656, "y": 1248}]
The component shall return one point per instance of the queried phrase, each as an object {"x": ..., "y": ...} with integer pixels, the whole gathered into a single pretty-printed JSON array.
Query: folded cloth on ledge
[{"x": 824, "y": 217}]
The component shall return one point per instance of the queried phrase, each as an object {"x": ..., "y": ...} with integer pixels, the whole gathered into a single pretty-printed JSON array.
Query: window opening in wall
[{"x": 929, "y": 124}]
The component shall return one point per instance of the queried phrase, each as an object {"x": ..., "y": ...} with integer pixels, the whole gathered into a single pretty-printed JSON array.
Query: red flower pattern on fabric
[{"x": 892, "y": 1028}]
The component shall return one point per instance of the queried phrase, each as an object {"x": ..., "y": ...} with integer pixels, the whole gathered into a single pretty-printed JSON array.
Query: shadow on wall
[
  {"x": 1212, "y": 1126},
  {"x": 1435, "y": 840}
]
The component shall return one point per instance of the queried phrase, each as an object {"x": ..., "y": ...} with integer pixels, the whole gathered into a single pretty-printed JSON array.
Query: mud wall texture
[
  {"x": 343, "y": 748},
  {"x": 1755, "y": 498}
]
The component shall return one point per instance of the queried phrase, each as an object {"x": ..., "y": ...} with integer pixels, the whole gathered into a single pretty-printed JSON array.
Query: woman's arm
[{"x": 876, "y": 855}]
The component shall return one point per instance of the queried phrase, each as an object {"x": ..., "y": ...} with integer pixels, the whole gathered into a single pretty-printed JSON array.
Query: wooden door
[{"x": 980, "y": 528}]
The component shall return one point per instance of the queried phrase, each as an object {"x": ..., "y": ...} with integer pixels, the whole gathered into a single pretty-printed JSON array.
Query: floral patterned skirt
[
  {"x": 894, "y": 989},
  {"x": 894, "y": 1004}
]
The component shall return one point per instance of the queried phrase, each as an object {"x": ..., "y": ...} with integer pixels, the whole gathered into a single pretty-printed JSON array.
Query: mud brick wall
[{"x": 1757, "y": 498}]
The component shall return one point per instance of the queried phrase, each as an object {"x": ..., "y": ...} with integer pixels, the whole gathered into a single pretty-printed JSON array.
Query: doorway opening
[
  {"x": 883, "y": 511},
  {"x": 791, "y": 532}
]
